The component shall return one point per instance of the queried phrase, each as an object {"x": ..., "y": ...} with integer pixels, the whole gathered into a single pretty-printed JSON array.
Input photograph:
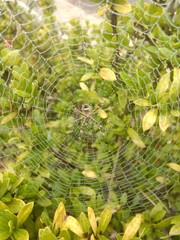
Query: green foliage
[{"x": 123, "y": 101}]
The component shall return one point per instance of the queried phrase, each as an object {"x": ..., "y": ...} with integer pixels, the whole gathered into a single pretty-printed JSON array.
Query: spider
[{"x": 85, "y": 114}]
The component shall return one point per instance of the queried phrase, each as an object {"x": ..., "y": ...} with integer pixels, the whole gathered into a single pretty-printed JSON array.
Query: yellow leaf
[
  {"x": 135, "y": 138},
  {"x": 149, "y": 119},
  {"x": 8, "y": 117},
  {"x": 107, "y": 74},
  {"x": 52, "y": 124},
  {"x": 102, "y": 113},
  {"x": 163, "y": 84},
  {"x": 175, "y": 113},
  {"x": 142, "y": 102},
  {"x": 84, "y": 86},
  {"x": 160, "y": 179},
  {"x": 164, "y": 121},
  {"x": 92, "y": 237},
  {"x": 133, "y": 227},
  {"x": 86, "y": 60},
  {"x": 124, "y": 7},
  {"x": 87, "y": 76},
  {"x": 74, "y": 226},
  {"x": 22, "y": 156},
  {"x": 59, "y": 216},
  {"x": 89, "y": 174},
  {"x": 175, "y": 86},
  {"x": 174, "y": 166},
  {"x": 92, "y": 219},
  {"x": 103, "y": 9}
]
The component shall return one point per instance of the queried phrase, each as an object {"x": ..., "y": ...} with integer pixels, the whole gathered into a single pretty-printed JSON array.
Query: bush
[{"x": 90, "y": 118}]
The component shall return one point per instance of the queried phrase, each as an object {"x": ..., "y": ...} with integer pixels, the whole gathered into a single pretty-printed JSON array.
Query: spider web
[{"x": 57, "y": 135}]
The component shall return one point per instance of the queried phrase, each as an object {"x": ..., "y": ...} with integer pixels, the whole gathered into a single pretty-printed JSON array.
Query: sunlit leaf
[
  {"x": 174, "y": 166},
  {"x": 175, "y": 113},
  {"x": 52, "y": 124},
  {"x": 142, "y": 102},
  {"x": 102, "y": 113},
  {"x": 157, "y": 213},
  {"x": 10, "y": 58},
  {"x": 24, "y": 213},
  {"x": 135, "y": 138},
  {"x": 107, "y": 74},
  {"x": 20, "y": 234},
  {"x": 103, "y": 9},
  {"x": 175, "y": 85},
  {"x": 133, "y": 227},
  {"x": 89, "y": 174},
  {"x": 149, "y": 119},
  {"x": 104, "y": 220},
  {"x": 92, "y": 219},
  {"x": 59, "y": 216},
  {"x": 83, "y": 86},
  {"x": 46, "y": 234},
  {"x": 122, "y": 7},
  {"x": 84, "y": 222},
  {"x": 86, "y": 60},
  {"x": 163, "y": 84},
  {"x": 87, "y": 76},
  {"x": 175, "y": 230},
  {"x": 20, "y": 157},
  {"x": 8, "y": 117},
  {"x": 164, "y": 121},
  {"x": 74, "y": 226}
]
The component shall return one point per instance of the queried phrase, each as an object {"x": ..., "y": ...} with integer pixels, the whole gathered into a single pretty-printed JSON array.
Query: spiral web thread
[{"x": 53, "y": 135}]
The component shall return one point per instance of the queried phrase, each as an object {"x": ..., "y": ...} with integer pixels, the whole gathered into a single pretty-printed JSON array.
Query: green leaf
[
  {"x": 175, "y": 230},
  {"x": 102, "y": 237},
  {"x": 4, "y": 187},
  {"x": 164, "y": 223},
  {"x": 3, "y": 206},
  {"x": 10, "y": 58},
  {"x": 83, "y": 220},
  {"x": 149, "y": 119},
  {"x": 46, "y": 234},
  {"x": 122, "y": 6},
  {"x": 107, "y": 74},
  {"x": 20, "y": 234},
  {"x": 135, "y": 138},
  {"x": 102, "y": 10},
  {"x": 166, "y": 53},
  {"x": 15, "y": 205},
  {"x": 8, "y": 118},
  {"x": 104, "y": 220},
  {"x": 175, "y": 219},
  {"x": 7, "y": 219},
  {"x": 157, "y": 213},
  {"x": 64, "y": 234},
  {"x": 164, "y": 121},
  {"x": 88, "y": 191},
  {"x": 24, "y": 213},
  {"x": 92, "y": 219},
  {"x": 142, "y": 102}
]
